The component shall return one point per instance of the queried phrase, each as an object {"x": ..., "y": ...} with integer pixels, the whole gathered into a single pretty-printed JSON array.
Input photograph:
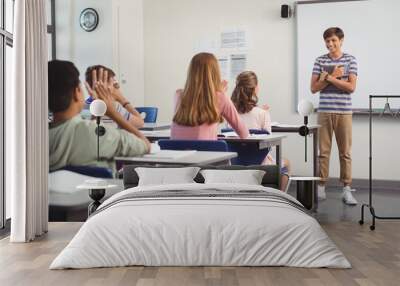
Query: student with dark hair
[
  {"x": 122, "y": 105},
  {"x": 245, "y": 99},
  {"x": 72, "y": 140},
  {"x": 334, "y": 76}
]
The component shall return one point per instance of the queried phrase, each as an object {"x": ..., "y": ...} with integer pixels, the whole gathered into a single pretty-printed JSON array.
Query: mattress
[{"x": 201, "y": 225}]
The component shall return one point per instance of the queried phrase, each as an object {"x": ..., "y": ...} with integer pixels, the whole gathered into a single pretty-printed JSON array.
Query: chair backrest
[
  {"x": 150, "y": 113},
  {"x": 248, "y": 152},
  {"x": 92, "y": 171},
  {"x": 89, "y": 100},
  {"x": 199, "y": 145}
]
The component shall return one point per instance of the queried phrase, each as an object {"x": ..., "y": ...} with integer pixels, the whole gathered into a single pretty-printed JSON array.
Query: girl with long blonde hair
[{"x": 203, "y": 104}]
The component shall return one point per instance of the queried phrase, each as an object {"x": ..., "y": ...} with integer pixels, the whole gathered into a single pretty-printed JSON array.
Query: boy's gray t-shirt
[{"x": 74, "y": 142}]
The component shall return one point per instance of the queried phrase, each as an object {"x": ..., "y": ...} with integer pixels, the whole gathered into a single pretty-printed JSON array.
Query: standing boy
[{"x": 334, "y": 76}]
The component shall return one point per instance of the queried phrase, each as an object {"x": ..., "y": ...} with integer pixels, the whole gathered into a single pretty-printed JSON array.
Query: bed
[{"x": 197, "y": 224}]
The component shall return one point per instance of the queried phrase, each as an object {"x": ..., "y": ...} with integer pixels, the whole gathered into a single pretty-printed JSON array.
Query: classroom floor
[{"x": 374, "y": 255}]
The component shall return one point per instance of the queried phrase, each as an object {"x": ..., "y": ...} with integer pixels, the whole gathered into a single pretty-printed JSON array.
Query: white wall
[
  {"x": 81, "y": 47},
  {"x": 128, "y": 48},
  {"x": 120, "y": 32},
  {"x": 171, "y": 30}
]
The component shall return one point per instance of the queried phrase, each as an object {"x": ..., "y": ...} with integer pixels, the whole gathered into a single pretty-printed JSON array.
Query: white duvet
[{"x": 200, "y": 231}]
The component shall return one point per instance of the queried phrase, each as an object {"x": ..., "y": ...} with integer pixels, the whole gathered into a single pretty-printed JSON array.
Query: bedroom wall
[{"x": 170, "y": 39}]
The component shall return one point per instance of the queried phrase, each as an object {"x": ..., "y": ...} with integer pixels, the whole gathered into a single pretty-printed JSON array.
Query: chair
[
  {"x": 248, "y": 153},
  {"x": 66, "y": 202},
  {"x": 88, "y": 100},
  {"x": 150, "y": 113},
  {"x": 199, "y": 145},
  {"x": 92, "y": 171}
]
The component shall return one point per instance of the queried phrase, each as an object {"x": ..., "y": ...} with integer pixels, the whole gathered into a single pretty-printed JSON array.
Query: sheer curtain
[{"x": 27, "y": 135}]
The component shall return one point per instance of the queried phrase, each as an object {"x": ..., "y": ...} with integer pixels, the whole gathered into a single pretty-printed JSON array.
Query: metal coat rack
[{"x": 369, "y": 205}]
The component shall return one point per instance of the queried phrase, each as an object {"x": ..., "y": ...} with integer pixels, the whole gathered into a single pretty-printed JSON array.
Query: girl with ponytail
[{"x": 245, "y": 99}]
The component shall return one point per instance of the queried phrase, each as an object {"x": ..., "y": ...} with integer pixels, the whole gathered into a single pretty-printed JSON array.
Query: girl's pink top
[{"x": 209, "y": 131}]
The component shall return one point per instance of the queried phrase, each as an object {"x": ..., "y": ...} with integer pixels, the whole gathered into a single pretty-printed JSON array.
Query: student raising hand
[
  {"x": 99, "y": 73},
  {"x": 101, "y": 89}
]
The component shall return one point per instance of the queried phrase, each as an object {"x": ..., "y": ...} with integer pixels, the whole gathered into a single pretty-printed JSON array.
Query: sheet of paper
[
  {"x": 170, "y": 154},
  {"x": 224, "y": 66},
  {"x": 238, "y": 64},
  {"x": 287, "y": 125},
  {"x": 230, "y": 134},
  {"x": 234, "y": 134},
  {"x": 233, "y": 39},
  {"x": 159, "y": 133}
]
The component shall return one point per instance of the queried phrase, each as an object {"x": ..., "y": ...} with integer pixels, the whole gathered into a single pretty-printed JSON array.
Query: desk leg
[
  {"x": 96, "y": 195},
  {"x": 315, "y": 167},
  {"x": 278, "y": 150}
]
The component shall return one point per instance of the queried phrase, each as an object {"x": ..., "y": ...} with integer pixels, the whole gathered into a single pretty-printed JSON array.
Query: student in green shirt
[{"x": 72, "y": 140}]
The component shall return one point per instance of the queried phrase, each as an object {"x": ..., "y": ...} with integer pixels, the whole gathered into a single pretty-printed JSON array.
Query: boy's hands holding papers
[
  {"x": 322, "y": 76},
  {"x": 338, "y": 72}
]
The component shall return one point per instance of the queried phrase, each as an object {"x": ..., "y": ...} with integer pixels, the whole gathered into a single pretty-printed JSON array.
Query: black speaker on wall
[{"x": 285, "y": 11}]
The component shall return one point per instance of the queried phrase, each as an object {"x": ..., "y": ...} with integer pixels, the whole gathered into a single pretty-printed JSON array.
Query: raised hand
[
  {"x": 102, "y": 91},
  {"x": 266, "y": 107},
  {"x": 116, "y": 92},
  {"x": 224, "y": 86}
]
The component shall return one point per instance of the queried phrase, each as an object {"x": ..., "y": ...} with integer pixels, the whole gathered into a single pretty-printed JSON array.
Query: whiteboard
[{"x": 371, "y": 34}]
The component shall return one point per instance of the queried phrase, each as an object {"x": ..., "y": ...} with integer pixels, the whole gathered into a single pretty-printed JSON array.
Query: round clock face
[{"x": 89, "y": 19}]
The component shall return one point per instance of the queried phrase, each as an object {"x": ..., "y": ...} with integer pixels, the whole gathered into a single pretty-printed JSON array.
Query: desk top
[
  {"x": 288, "y": 128},
  {"x": 196, "y": 158},
  {"x": 165, "y": 134},
  {"x": 255, "y": 138}
]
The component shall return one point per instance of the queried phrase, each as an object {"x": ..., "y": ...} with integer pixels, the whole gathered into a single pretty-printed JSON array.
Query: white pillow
[
  {"x": 248, "y": 177},
  {"x": 166, "y": 176}
]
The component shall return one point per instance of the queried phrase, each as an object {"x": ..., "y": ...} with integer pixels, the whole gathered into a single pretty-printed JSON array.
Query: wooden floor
[{"x": 375, "y": 257}]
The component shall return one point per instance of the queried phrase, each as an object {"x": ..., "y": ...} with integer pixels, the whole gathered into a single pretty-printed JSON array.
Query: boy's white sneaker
[
  {"x": 321, "y": 192},
  {"x": 347, "y": 197}
]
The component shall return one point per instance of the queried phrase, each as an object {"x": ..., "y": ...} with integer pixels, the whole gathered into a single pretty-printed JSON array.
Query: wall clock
[{"x": 89, "y": 19}]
